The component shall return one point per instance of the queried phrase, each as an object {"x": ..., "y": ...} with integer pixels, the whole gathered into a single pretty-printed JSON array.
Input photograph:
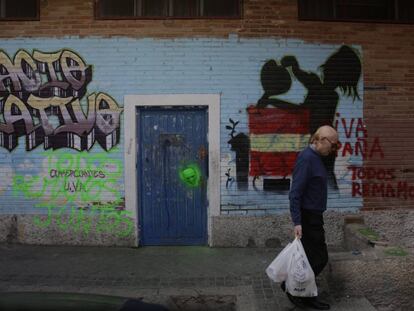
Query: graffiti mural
[
  {"x": 240, "y": 143},
  {"x": 104, "y": 218},
  {"x": 80, "y": 192},
  {"x": 35, "y": 88},
  {"x": 279, "y": 129},
  {"x": 79, "y": 178},
  {"x": 67, "y": 183},
  {"x": 355, "y": 128},
  {"x": 370, "y": 181},
  {"x": 341, "y": 70}
]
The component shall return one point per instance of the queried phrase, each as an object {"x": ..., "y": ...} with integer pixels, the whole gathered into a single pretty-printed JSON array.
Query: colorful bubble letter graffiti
[{"x": 35, "y": 88}]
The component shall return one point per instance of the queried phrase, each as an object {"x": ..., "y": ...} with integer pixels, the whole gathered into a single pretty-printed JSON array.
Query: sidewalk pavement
[{"x": 171, "y": 276}]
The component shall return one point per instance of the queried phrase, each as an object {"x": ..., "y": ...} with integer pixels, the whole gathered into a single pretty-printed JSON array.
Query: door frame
[{"x": 212, "y": 101}]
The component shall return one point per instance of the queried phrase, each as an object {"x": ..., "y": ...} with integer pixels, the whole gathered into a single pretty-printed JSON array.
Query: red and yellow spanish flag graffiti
[{"x": 277, "y": 135}]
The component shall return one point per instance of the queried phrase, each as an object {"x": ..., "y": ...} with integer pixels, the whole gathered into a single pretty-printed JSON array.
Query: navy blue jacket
[{"x": 309, "y": 188}]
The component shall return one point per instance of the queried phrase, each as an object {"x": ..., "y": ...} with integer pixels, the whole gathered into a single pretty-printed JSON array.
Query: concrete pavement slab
[{"x": 158, "y": 274}]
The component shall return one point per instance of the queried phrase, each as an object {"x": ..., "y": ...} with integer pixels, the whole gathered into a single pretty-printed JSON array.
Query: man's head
[{"x": 325, "y": 140}]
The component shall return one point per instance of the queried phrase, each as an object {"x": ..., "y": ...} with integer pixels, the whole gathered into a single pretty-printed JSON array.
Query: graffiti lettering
[
  {"x": 23, "y": 99},
  {"x": 361, "y": 146},
  {"x": 360, "y": 129},
  {"x": 379, "y": 182},
  {"x": 73, "y": 178},
  {"x": 76, "y": 173},
  {"x": 75, "y": 130},
  {"x": 401, "y": 189},
  {"x": 65, "y": 72},
  {"x": 105, "y": 219},
  {"x": 371, "y": 173},
  {"x": 72, "y": 186}
]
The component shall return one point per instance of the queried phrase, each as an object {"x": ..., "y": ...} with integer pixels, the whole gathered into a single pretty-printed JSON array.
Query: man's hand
[{"x": 298, "y": 231}]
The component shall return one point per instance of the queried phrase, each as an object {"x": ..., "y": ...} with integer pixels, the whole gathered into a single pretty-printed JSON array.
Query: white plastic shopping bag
[
  {"x": 300, "y": 279},
  {"x": 277, "y": 271},
  {"x": 292, "y": 266}
]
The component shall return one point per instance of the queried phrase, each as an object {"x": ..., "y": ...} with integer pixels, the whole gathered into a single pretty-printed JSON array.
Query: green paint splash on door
[{"x": 190, "y": 175}]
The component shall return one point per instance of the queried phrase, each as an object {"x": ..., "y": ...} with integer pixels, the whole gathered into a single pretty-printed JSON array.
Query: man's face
[{"x": 328, "y": 145}]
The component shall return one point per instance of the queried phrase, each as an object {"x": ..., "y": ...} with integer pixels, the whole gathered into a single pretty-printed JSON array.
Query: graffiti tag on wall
[
  {"x": 35, "y": 88},
  {"x": 103, "y": 219},
  {"x": 370, "y": 181},
  {"x": 360, "y": 146},
  {"x": 379, "y": 182},
  {"x": 68, "y": 177},
  {"x": 80, "y": 192}
]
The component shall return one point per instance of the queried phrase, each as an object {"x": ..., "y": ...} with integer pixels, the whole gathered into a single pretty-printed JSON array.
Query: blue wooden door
[{"x": 172, "y": 175}]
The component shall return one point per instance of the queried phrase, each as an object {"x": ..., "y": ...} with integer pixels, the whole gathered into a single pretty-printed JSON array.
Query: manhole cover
[{"x": 205, "y": 303}]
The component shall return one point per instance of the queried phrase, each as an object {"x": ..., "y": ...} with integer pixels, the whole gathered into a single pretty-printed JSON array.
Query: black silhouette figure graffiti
[
  {"x": 230, "y": 179},
  {"x": 341, "y": 70},
  {"x": 241, "y": 145},
  {"x": 275, "y": 80}
]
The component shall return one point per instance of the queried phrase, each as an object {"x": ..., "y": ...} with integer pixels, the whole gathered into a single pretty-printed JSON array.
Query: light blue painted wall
[{"x": 230, "y": 67}]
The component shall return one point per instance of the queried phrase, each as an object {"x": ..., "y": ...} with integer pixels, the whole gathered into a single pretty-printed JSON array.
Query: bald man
[{"x": 308, "y": 197}]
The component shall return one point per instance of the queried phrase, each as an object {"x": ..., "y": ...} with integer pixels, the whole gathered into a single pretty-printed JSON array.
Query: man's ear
[{"x": 314, "y": 138}]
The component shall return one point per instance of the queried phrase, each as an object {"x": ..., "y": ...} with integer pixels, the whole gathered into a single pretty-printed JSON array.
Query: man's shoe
[
  {"x": 297, "y": 301},
  {"x": 314, "y": 303}
]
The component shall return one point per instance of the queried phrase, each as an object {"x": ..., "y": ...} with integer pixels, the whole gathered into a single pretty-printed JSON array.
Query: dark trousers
[{"x": 313, "y": 240}]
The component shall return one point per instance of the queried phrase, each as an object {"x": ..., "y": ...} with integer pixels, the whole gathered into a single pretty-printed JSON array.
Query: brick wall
[{"x": 228, "y": 57}]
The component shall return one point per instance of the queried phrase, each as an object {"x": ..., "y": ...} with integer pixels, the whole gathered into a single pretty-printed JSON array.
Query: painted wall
[
  {"x": 60, "y": 144},
  {"x": 62, "y": 124}
]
